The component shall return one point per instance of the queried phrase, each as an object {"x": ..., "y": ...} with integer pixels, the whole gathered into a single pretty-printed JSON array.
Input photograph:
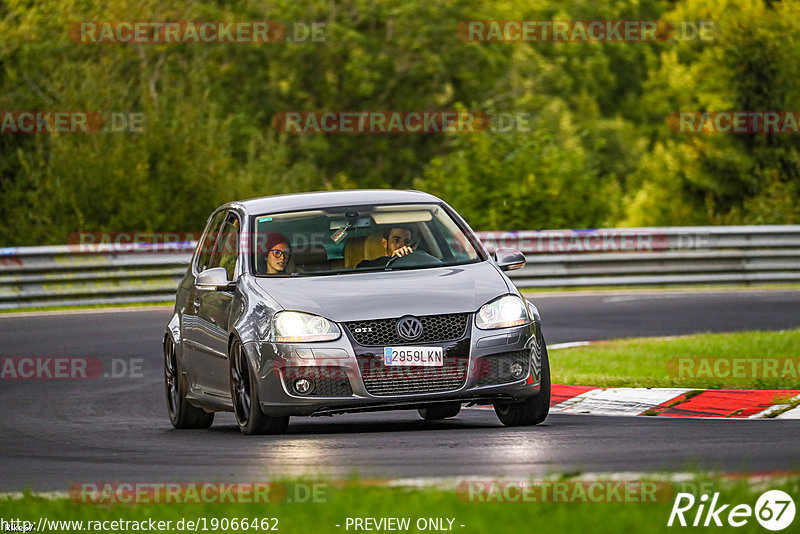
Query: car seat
[{"x": 358, "y": 249}]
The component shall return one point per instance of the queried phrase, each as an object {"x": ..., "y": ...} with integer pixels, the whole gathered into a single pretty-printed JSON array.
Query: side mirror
[
  {"x": 509, "y": 259},
  {"x": 215, "y": 279}
]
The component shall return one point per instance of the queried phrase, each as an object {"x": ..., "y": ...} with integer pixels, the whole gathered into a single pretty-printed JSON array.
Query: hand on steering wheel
[{"x": 399, "y": 253}]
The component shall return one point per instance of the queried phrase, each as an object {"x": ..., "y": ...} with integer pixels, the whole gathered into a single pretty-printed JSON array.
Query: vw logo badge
[{"x": 409, "y": 328}]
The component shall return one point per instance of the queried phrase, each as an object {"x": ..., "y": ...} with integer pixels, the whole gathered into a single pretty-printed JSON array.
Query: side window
[
  {"x": 207, "y": 244},
  {"x": 454, "y": 244},
  {"x": 226, "y": 250}
]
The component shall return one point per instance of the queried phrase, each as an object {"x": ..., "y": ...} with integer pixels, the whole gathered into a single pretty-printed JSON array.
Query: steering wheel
[
  {"x": 416, "y": 258},
  {"x": 395, "y": 258}
]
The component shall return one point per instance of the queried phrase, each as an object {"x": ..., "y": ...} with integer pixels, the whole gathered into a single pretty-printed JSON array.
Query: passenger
[
  {"x": 278, "y": 253},
  {"x": 396, "y": 242}
]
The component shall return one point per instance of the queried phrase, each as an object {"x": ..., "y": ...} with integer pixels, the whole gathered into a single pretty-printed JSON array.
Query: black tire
[
  {"x": 181, "y": 414},
  {"x": 244, "y": 395},
  {"x": 533, "y": 410},
  {"x": 435, "y": 412}
]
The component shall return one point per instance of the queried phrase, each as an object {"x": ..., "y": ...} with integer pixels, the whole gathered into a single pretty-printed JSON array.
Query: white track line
[
  {"x": 570, "y": 345},
  {"x": 794, "y": 413},
  {"x": 618, "y": 401},
  {"x": 777, "y": 407}
]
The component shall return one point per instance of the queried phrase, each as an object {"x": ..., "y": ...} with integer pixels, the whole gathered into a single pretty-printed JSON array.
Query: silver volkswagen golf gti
[{"x": 350, "y": 301}]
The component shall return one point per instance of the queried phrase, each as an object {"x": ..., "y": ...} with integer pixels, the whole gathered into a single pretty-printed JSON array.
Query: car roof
[{"x": 330, "y": 199}]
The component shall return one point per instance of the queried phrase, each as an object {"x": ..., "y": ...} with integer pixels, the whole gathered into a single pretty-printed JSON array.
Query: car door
[
  {"x": 189, "y": 313},
  {"x": 214, "y": 311}
]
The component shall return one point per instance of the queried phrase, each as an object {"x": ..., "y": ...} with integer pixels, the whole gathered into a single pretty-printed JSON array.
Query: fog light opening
[
  {"x": 517, "y": 370},
  {"x": 303, "y": 386}
]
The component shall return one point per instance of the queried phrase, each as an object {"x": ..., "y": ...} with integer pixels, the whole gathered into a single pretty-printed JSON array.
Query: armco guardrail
[
  {"x": 654, "y": 256},
  {"x": 62, "y": 275}
]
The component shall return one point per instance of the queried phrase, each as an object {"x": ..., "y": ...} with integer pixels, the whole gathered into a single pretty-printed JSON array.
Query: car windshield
[{"x": 359, "y": 239}]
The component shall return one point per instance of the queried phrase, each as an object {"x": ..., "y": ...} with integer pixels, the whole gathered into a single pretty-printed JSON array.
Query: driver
[{"x": 396, "y": 242}]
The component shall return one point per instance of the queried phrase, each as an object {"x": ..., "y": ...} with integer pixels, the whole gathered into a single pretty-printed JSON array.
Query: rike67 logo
[{"x": 774, "y": 510}]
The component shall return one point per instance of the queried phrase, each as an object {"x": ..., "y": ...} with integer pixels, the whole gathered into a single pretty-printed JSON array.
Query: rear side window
[{"x": 206, "y": 245}]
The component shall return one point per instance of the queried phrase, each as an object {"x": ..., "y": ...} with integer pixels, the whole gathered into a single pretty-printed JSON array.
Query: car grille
[
  {"x": 328, "y": 381},
  {"x": 436, "y": 328},
  {"x": 382, "y": 380},
  {"x": 496, "y": 369}
]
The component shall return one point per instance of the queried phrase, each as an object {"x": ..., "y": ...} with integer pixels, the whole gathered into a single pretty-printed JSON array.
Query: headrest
[
  {"x": 353, "y": 252},
  {"x": 309, "y": 254},
  {"x": 358, "y": 249},
  {"x": 373, "y": 246}
]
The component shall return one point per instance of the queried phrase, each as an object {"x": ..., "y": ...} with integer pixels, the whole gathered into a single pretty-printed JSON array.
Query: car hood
[{"x": 385, "y": 294}]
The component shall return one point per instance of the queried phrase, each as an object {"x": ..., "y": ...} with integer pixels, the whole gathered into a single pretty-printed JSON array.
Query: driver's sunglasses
[{"x": 278, "y": 253}]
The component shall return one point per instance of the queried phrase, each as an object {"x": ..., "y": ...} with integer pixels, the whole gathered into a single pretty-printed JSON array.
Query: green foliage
[
  {"x": 598, "y": 152},
  {"x": 541, "y": 178},
  {"x": 718, "y": 178}
]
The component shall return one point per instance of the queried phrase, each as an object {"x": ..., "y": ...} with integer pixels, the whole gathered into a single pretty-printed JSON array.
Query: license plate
[{"x": 414, "y": 356}]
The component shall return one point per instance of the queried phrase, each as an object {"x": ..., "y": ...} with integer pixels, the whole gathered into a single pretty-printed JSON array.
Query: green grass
[
  {"x": 646, "y": 362},
  {"x": 361, "y": 500}
]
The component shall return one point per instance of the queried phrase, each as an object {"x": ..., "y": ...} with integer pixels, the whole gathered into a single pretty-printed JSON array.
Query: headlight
[
  {"x": 296, "y": 327},
  {"x": 502, "y": 313}
]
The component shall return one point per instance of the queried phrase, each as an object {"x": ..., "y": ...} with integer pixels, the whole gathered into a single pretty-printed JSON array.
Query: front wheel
[
  {"x": 531, "y": 411},
  {"x": 181, "y": 413},
  {"x": 244, "y": 394}
]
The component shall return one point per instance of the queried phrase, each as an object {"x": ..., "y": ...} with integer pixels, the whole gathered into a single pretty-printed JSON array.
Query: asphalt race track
[{"x": 57, "y": 432}]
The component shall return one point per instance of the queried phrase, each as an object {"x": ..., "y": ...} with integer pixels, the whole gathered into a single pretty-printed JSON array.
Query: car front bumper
[{"x": 346, "y": 377}]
